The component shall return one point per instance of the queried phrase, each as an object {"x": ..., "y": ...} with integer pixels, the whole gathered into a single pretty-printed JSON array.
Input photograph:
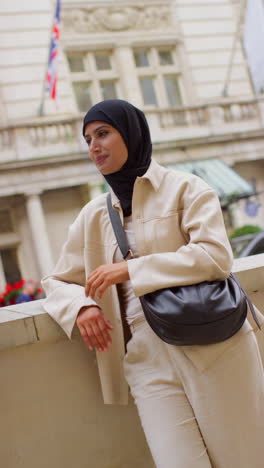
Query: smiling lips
[{"x": 101, "y": 159}]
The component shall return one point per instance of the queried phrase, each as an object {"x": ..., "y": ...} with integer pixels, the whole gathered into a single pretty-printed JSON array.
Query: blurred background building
[{"x": 182, "y": 61}]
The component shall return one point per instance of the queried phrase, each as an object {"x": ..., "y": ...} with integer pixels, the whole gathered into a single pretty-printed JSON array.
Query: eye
[
  {"x": 103, "y": 133},
  {"x": 88, "y": 141}
]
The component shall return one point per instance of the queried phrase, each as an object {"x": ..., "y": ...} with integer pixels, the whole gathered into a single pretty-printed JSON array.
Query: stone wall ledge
[{"x": 28, "y": 323}]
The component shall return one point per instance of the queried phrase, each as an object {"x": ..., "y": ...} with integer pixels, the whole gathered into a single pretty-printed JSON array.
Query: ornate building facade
[{"x": 181, "y": 61}]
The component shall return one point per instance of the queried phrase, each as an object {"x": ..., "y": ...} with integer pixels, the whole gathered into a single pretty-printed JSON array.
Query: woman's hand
[
  {"x": 94, "y": 328},
  {"x": 104, "y": 276}
]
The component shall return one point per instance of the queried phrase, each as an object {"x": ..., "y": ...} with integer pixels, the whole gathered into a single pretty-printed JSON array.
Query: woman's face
[{"x": 107, "y": 148}]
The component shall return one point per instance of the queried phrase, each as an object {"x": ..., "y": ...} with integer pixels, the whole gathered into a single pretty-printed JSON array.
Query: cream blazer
[{"x": 180, "y": 237}]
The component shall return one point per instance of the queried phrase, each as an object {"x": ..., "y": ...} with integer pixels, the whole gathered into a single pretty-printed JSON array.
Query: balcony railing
[
  {"x": 55, "y": 136},
  {"x": 213, "y": 114}
]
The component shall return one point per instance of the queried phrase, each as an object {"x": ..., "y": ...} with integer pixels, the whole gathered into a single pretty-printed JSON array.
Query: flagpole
[
  {"x": 41, "y": 106},
  {"x": 231, "y": 61}
]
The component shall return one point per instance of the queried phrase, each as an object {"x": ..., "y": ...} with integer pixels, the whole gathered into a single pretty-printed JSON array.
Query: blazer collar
[{"x": 154, "y": 174}]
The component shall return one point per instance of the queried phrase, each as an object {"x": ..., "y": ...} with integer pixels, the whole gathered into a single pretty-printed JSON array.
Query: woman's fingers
[
  {"x": 104, "y": 276},
  {"x": 93, "y": 338},
  {"x": 103, "y": 328},
  {"x": 90, "y": 282},
  {"x": 96, "y": 286},
  {"x": 100, "y": 336},
  {"x": 101, "y": 289},
  {"x": 85, "y": 337},
  {"x": 97, "y": 339},
  {"x": 94, "y": 328},
  {"x": 108, "y": 324}
]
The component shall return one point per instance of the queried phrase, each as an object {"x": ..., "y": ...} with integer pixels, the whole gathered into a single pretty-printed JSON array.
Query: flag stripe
[{"x": 51, "y": 78}]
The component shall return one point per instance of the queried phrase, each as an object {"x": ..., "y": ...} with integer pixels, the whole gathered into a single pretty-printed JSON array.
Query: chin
[
  {"x": 106, "y": 171},
  {"x": 109, "y": 170}
]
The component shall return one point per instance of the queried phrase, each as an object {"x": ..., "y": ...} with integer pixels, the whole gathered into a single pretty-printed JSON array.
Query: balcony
[
  {"x": 60, "y": 136},
  {"x": 51, "y": 407}
]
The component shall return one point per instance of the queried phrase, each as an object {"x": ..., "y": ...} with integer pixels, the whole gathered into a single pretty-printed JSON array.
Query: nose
[{"x": 94, "y": 146}]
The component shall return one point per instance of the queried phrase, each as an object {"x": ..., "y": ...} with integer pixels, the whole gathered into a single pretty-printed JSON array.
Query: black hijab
[{"x": 131, "y": 123}]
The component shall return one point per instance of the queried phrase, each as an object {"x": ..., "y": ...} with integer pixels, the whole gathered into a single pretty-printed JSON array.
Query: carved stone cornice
[{"x": 111, "y": 18}]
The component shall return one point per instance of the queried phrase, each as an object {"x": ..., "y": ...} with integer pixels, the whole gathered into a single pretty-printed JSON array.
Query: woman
[{"x": 200, "y": 406}]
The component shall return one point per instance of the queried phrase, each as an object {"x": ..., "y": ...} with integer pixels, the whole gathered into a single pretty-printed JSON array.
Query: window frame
[
  {"x": 157, "y": 72},
  {"x": 92, "y": 76}
]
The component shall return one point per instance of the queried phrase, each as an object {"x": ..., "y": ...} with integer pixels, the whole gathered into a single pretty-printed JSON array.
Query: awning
[{"x": 228, "y": 184}]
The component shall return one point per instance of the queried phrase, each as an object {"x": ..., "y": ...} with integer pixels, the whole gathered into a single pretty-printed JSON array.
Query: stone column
[
  {"x": 128, "y": 75},
  {"x": 2, "y": 276},
  {"x": 39, "y": 233}
]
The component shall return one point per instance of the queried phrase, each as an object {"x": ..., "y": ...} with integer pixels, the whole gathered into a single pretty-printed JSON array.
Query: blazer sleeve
[
  {"x": 207, "y": 255},
  {"x": 65, "y": 287}
]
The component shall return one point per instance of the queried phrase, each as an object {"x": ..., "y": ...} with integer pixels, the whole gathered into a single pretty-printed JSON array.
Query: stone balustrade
[
  {"x": 56, "y": 136},
  {"x": 40, "y": 139},
  {"x": 213, "y": 114},
  {"x": 51, "y": 407}
]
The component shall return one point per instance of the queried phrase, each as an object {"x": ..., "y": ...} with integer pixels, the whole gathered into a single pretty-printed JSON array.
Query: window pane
[
  {"x": 148, "y": 91},
  {"x": 10, "y": 265},
  {"x": 108, "y": 89},
  {"x": 102, "y": 61},
  {"x": 83, "y": 95},
  {"x": 165, "y": 57},
  {"x": 141, "y": 58},
  {"x": 75, "y": 62},
  {"x": 173, "y": 91}
]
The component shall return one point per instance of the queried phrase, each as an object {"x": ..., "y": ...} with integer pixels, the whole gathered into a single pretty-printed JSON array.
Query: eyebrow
[{"x": 98, "y": 128}]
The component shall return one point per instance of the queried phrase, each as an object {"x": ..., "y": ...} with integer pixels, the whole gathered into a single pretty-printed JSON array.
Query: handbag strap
[
  {"x": 249, "y": 302},
  {"x": 126, "y": 251},
  {"x": 118, "y": 229}
]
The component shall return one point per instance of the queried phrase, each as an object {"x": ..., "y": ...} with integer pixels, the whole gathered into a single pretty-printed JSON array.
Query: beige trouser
[{"x": 200, "y": 406}]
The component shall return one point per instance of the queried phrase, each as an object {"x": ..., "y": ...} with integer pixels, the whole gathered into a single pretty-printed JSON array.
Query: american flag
[{"x": 51, "y": 78}]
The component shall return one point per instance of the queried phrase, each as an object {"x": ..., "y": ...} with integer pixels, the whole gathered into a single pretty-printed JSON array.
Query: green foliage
[{"x": 244, "y": 230}]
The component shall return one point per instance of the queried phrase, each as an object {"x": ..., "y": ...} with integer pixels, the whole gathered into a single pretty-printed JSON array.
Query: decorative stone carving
[
  {"x": 103, "y": 19},
  {"x": 114, "y": 19}
]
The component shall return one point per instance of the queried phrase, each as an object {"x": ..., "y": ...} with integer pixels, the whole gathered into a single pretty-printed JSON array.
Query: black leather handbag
[{"x": 197, "y": 314}]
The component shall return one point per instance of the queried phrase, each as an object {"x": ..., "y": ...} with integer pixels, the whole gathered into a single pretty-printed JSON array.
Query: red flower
[
  {"x": 8, "y": 288},
  {"x": 12, "y": 291}
]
